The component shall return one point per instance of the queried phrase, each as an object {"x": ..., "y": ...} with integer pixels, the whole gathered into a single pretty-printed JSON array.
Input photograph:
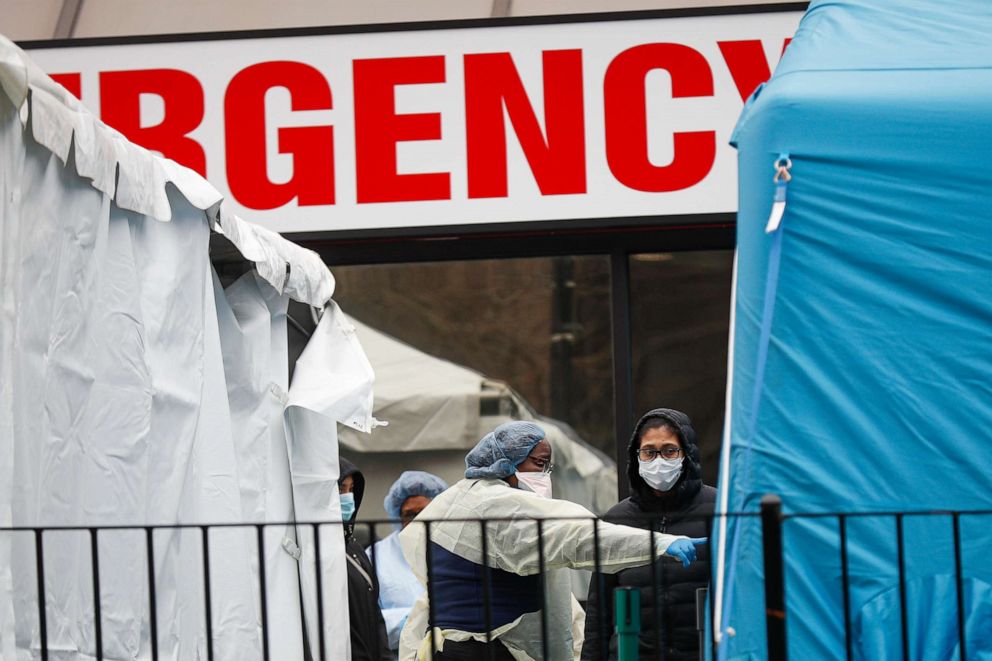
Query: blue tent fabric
[{"x": 876, "y": 383}]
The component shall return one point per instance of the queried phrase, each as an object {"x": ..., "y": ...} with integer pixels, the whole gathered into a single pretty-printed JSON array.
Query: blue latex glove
[{"x": 685, "y": 549}]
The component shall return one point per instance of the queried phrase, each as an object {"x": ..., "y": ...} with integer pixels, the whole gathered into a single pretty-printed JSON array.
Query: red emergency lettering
[
  {"x": 626, "y": 118},
  {"x": 747, "y": 64},
  {"x": 182, "y": 95},
  {"x": 312, "y": 147},
  {"x": 557, "y": 157},
  {"x": 378, "y": 129},
  {"x": 72, "y": 82}
]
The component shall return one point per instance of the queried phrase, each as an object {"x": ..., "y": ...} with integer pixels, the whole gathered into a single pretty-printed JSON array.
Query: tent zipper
[{"x": 782, "y": 178}]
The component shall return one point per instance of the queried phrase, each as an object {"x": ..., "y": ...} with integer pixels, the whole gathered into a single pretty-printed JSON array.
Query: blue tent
[{"x": 861, "y": 373}]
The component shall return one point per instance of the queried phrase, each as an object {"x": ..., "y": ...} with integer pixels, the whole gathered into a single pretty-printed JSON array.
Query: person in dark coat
[
  {"x": 368, "y": 630},
  {"x": 667, "y": 492}
]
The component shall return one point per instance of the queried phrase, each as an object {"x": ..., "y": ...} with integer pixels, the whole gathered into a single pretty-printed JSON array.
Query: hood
[
  {"x": 691, "y": 480},
  {"x": 348, "y": 468}
]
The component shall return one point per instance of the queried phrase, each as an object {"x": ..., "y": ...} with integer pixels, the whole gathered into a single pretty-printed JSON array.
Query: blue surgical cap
[
  {"x": 411, "y": 483},
  {"x": 500, "y": 451}
]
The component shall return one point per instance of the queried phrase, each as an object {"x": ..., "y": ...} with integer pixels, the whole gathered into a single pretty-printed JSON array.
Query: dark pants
[{"x": 473, "y": 650}]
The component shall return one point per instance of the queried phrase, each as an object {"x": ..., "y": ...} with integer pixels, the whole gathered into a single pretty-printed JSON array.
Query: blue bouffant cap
[
  {"x": 500, "y": 451},
  {"x": 411, "y": 483}
]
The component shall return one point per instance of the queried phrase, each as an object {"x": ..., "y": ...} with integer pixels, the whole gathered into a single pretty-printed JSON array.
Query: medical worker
[
  {"x": 507, "y": 486},
  {"x": 368, "y": 631},
  {"x": 398, "y": 587},
  {"x": 667, "y": 491}
]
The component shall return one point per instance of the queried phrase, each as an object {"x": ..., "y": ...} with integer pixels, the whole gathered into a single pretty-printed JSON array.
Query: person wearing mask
[
  {"x": 668, "y": 494},
  {"x": 368, "y": 631},
  {"x": 398, "y": 587},
  {"x": 507, "y": 489}
]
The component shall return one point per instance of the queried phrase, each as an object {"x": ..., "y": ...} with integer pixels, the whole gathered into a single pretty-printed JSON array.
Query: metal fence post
[
  {"x": 771, "y": 537},
  {"x": 701, "y": 597},
  {"x": 627, "y": 602}
]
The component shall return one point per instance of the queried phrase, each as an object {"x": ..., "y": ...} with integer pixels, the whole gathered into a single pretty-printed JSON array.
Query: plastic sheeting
[
  {"x": 862, "y": 369},
  {"x": 430, "y": 403},
  {"x": 135, "y": 391}
]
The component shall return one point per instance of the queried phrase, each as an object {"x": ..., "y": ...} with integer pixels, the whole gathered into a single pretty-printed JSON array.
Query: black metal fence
[
  {"x": 775, "y": 525},
  {"x": 773, "y": 543}
]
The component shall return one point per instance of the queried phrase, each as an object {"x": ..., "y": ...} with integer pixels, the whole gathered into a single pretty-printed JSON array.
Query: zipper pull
[{"x": 782, "y": 178}]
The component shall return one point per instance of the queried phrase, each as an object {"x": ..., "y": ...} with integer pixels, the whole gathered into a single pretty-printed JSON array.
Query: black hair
[{"x": 658, "y": 423}]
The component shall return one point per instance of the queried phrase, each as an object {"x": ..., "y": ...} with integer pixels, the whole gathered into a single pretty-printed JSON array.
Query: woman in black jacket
[
  {"x": 368, "y": 630},
  {"x": 667, "y": 492}
]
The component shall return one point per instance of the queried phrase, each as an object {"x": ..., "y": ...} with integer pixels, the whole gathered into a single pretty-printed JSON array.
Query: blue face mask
[{"x": 347, "y": 506}]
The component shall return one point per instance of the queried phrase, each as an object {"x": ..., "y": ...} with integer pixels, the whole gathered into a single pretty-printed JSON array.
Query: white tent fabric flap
[
  {"x": 333, "y": 376},
  {"x": 119, "y": 415},
  {"x": 252, "y": 320},
  {"x": 134, "y": 390},
  {"x": 430, "y": 404},
  {"x": 135, "y": 179},
  {"x": 332, "y": 384}
]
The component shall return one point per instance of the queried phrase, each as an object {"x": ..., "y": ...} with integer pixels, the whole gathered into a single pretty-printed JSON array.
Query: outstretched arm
[{"x": 570, "y": 536}]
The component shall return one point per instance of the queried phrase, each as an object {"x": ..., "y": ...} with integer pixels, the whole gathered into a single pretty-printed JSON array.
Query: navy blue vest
[{"x": 456, "y": 593}]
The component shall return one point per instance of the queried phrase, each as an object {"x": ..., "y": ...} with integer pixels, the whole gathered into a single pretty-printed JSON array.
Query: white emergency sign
[{"x": 611, "y": 119}]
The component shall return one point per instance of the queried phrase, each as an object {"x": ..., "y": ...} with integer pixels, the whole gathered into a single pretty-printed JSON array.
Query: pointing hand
[{"x": 684, "y": 550}]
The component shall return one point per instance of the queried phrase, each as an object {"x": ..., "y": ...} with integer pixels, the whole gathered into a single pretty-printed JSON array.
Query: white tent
[
  {"x": 438, "y": 410},
  {"x": 134, "y": 390}
]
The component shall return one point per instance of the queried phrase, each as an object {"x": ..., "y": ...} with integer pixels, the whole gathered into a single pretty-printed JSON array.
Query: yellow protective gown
[{"x": 567, "y": 531}]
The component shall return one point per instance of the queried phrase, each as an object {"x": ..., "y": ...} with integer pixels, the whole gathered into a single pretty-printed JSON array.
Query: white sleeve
[
  {"x": 569, "y": 533},
  {"x": 578, "y": 627},
  {"x": 415, "y": 630}
]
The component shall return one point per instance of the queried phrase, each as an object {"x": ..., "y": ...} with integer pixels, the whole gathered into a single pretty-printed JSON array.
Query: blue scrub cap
[
  {"x": 500, "y": 451},
  {"x": 411, "y": 483}
]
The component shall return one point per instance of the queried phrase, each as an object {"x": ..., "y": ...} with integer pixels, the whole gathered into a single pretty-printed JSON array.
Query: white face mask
[
  {"x": 660, "y": 474},
  {"x": 539, "y": 483}
]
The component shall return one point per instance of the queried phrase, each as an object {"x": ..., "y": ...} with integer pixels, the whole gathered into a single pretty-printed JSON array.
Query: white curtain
[{"x": 135, "y": 391}]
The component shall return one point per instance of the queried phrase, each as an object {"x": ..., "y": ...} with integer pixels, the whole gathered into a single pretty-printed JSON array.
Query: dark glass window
[
  {"x": 542, "y": 327},
  {"x": 538, "y": 330},
  {"x": 680, "y": 313}
]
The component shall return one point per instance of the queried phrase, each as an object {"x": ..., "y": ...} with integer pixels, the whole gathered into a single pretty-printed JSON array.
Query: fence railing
[
  {"x": 774, "y": 544},
  {"x": 775, "y": 550}
]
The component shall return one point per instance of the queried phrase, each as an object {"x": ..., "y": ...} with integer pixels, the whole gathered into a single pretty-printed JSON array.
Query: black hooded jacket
[
  {"x": 368, "y": 630},
  {"x": 670, "y": 617}
]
